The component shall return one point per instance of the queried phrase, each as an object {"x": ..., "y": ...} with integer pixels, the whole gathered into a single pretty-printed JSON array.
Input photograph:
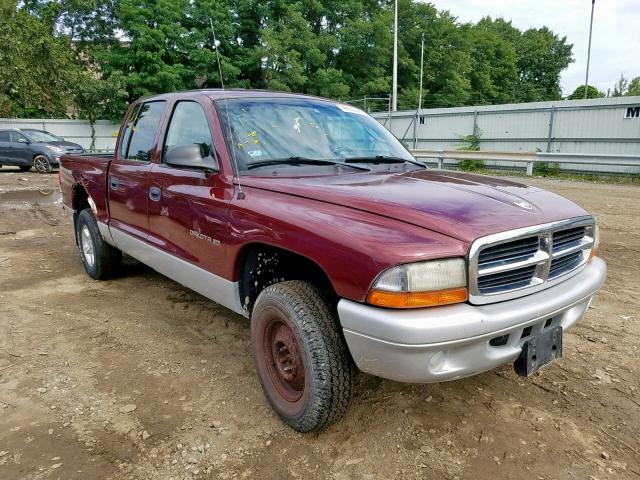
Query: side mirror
[
  {"x": 23, "y": 140},
  {"x": 191, "y": 156}
]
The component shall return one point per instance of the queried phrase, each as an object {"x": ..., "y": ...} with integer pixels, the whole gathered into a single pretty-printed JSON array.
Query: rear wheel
[
  {"x": 25, "y": 168},
  {"x": 302, "y": 362},
  {"x": 100, "y": 260},
  {"x": 42, "y": 164}
]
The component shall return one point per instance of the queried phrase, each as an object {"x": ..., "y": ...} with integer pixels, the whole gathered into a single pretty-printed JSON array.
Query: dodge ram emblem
[{"x": 523, "y": 204}]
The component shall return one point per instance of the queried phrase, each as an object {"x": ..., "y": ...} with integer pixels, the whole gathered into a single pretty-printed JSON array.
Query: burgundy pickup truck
[{"x": 312, "y": 220}]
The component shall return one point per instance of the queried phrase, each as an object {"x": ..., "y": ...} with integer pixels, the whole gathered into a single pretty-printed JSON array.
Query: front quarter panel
[{"x": 351, "y": 246}]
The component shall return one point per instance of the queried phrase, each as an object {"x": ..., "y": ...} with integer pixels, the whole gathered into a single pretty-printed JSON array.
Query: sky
[{"x": 615, "y": 46}]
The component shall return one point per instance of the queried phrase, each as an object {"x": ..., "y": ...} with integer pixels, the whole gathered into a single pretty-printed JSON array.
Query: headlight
[
  {"x": 595, "y": 233},
  {"x": 56, "y": 149},
  {"x": 422, "y": 284}
]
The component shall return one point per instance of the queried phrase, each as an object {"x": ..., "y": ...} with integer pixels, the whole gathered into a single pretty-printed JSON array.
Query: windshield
[
  {"x": 264, "y": 130},
  {"x": 40, "y": 136}
]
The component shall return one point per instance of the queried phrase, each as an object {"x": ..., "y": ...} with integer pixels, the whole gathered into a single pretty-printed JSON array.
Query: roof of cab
[{"x": 219, "y": 93}]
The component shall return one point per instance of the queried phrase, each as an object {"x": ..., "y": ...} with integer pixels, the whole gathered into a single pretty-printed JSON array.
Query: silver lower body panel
[
  {"x": 214, "y": 287},
  {"x": 446, "y": 343}
]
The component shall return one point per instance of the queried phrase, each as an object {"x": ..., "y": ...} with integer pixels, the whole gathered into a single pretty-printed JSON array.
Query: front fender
[{"x": 350, "y": 245}]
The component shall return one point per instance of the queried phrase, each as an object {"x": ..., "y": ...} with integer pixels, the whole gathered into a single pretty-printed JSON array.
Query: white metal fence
[
  {"x": 78, "y": 131},
  {"x": 609, "y": 126},
  {"x": 577, "y": 161}
]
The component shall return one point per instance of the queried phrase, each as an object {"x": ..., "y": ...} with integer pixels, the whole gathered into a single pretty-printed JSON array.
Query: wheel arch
[
  {"x": 259, "y": 265},
  {"x": 79, "y": 202}
]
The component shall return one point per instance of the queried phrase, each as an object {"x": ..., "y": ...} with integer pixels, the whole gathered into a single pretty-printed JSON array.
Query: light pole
[
  {"x": 421, "y": 74},
  {"x": 586, "y": 81},
  {"x": 394, "y": 91}
]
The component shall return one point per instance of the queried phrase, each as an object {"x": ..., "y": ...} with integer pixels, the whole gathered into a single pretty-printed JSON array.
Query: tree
[
  {"x": 592, "y": 92},
  {"x": 621, "y": 87},
  {"x": 634, "y": 87},
  {"x": 39, "y": 71},
  {"x": 333, "y": 48},
  {"x": 494, "y": 72},
  {"x": 541, "y": 57}
]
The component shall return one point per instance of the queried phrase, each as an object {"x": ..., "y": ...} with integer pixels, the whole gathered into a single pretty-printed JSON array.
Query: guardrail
[{"x": 530, "y": 158}]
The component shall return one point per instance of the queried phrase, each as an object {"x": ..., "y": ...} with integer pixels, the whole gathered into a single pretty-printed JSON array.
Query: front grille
[
  {"x": 510, "y": 251},
  {"x": 509, "y": 279},
  {"x": 513, "y": 264},
  {"x": 564, "y": 264},
  {"x": 567, "y": 238}
]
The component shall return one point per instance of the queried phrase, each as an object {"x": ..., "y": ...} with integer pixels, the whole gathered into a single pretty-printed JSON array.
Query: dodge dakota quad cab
[{"x": 312, "y": 220}]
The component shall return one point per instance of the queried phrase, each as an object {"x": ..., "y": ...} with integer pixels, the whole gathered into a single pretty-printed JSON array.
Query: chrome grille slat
[
  {"x": 512, "y": 264},
  {"x": 536, "y": 258},
  {"x": 567, "y": 238},
  {"x": 515, "y": 277},
  {"x": 566, "y": 263},
  {"x": 523, "y": 247}
]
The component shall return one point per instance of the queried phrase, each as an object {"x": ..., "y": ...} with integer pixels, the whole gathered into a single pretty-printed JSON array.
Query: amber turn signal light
[{"x": 382, "y": 298}]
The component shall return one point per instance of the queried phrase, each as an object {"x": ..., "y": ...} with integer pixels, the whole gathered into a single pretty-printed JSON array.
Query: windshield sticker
[
  {"x": 296, "y": 124},
  {"x": 255, "y": 153},
  {"x": 349, "y": 109}
]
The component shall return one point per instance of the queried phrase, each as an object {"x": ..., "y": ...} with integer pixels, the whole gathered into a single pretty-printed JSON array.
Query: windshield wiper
[
  {"x": 302, "y": 161},
  {"x": 382, "y": 159}
]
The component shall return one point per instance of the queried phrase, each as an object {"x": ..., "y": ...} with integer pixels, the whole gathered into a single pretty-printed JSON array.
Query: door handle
[
  {"x": 114, "y": 182},
  {"x": 155, "y": 193}
]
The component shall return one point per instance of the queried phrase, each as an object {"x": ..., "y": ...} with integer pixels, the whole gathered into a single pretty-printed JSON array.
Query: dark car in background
[{"x": 26, "y": 148}]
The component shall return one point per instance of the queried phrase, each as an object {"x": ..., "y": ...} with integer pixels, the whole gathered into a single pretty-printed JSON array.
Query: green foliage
[
  {"x": 541, "y": 56},
  {"x": 546, "y": 169},
  {"x": 38, "y": 70},
  {"x": 332, "y": 48},
  {"x": 471, "y": 143},
  {"x": 634, "y": 87},
  {"x": 621, "y": 87},
  {"x": 624, "y": 87},
  {"x": 592, "y": 92}
]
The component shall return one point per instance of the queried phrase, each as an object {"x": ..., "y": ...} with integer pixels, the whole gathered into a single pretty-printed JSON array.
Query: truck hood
[{"x": 460, "y": 205}]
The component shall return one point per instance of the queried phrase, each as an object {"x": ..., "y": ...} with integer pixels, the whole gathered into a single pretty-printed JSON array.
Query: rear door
[
  {"x": 4, "y": 147},
  {"x": 128, "y": 179}
]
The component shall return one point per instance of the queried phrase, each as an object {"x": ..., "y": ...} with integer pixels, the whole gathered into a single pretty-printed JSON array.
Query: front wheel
[
  {"x": 42, "y": 164},
  {"x": 100, "y": 260},
  {"x": 302, "y": 361}
]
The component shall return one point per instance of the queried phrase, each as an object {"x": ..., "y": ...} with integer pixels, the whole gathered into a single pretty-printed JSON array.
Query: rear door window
[
  {"x": 126, "y": 135},
  {"x": 4, "y": 137},
  {"x": 143, "y": 132}
]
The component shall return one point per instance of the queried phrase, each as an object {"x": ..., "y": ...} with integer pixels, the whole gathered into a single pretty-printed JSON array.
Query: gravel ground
[{"x": 140, "y": 378}]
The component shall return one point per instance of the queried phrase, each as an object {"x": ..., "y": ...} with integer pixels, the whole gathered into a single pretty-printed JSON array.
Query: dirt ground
[{"x": 139, "y": 378}]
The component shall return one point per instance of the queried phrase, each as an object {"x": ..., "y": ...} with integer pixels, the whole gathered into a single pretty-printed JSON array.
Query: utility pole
[
  {"x": 394, "y": 92},
  {"x": 586, "y": 82},
  {"x": 421, "y": 74}
]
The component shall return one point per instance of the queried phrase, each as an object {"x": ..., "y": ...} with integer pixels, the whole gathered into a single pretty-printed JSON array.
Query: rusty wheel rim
[{"x": 284, "y": 361}]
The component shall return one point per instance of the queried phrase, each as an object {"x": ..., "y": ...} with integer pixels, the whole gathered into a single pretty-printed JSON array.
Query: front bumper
[{"x": 451, "y": 342}]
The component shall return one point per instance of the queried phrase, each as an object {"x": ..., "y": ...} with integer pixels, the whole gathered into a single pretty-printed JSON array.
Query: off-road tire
[
  {"x": 42, "y": 164},
  {"x": 328, "y": 368},
  {"x": 25, "y": 168},
  {"x": 106, "y": 259}
]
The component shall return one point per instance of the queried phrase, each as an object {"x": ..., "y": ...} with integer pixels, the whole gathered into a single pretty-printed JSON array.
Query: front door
[
  {"x": 188, "y": 206},
  {"x": 128, "y": 182}
]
